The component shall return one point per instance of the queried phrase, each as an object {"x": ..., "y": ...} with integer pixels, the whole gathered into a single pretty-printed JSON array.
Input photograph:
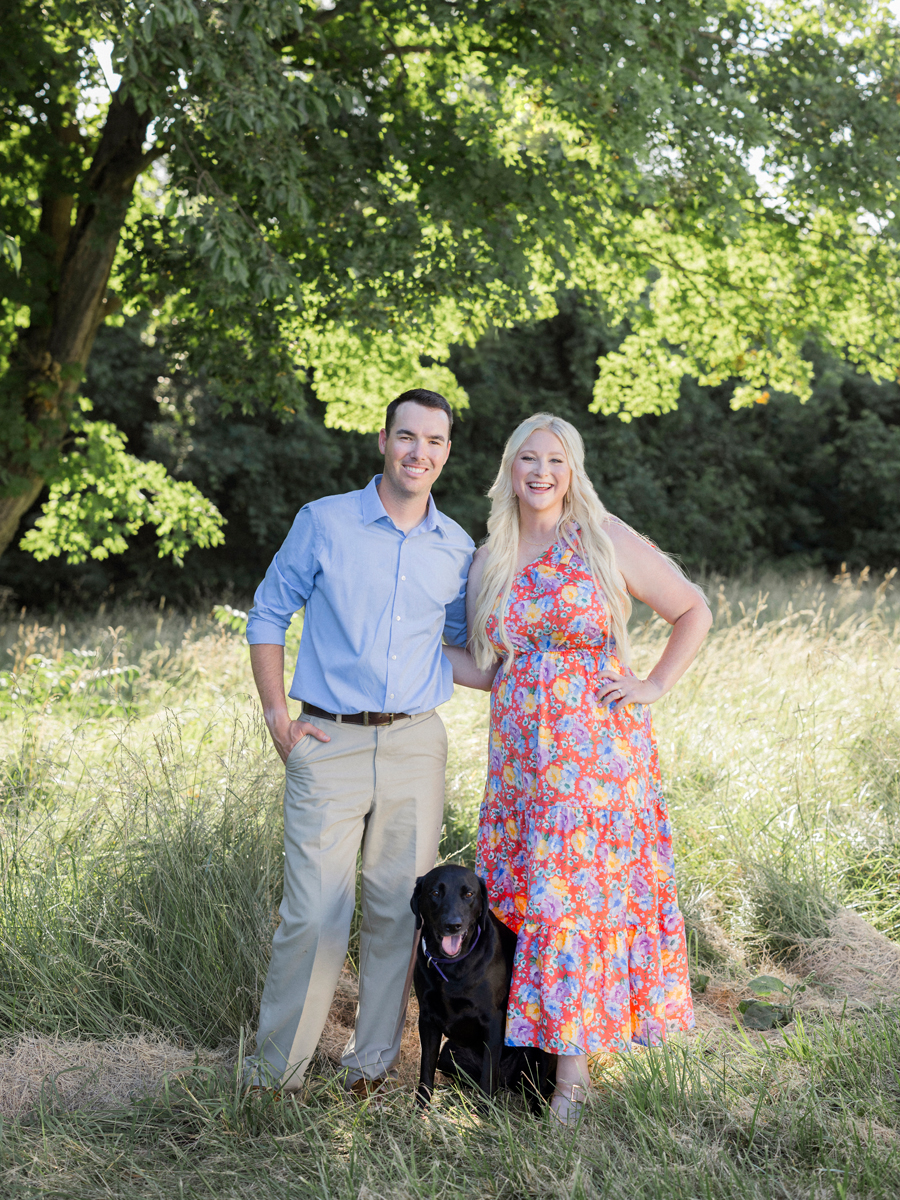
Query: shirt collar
[{"x": 373, "y": 510}]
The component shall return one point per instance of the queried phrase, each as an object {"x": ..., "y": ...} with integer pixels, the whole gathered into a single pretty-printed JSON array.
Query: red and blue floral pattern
[{"x": 574, "y": 838}]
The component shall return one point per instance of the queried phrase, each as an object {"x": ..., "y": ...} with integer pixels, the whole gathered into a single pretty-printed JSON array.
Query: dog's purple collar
[{"x": 433, "y": 962}]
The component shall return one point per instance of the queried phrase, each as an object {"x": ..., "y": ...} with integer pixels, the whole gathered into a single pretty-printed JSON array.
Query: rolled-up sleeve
[
  {"x": 287, "y": 585},
  {"x": 455, "y": 619}
]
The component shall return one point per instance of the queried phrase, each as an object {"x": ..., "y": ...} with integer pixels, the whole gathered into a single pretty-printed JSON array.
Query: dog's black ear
[
  {"x": 414, "y": 901},
  {"x": 485, "y": 906}
]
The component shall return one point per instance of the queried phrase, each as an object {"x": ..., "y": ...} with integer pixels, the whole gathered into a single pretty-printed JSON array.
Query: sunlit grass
[{"x": 140, "y": 868}]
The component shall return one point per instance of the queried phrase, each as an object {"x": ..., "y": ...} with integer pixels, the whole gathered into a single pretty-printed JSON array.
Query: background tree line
[
  {"x": 300, "y": 191},
  {"x": 778, "y": 483}
]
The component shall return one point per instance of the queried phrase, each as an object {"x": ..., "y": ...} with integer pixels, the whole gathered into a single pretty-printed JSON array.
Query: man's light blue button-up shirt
[{"x": 378, "y": 602}]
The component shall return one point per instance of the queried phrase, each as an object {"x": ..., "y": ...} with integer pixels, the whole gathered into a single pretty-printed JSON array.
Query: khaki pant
[{"x": 383, "y": 788}]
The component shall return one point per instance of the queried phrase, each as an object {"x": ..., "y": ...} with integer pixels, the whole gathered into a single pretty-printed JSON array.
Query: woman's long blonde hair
[{"x": 594, "y": 546}]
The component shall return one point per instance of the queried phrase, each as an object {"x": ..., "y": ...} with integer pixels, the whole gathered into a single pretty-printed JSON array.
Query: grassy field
[{"x": 140, "y": 870}]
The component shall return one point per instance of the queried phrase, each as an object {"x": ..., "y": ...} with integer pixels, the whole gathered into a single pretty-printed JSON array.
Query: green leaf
[
  {"x": 11, "y": 251},
  {"x": 233, "y": 619},
  {"x": 758, "y": 1014},
  {"x": 765, "y": 985}
]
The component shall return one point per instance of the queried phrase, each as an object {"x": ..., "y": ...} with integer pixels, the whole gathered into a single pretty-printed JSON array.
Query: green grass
[
  {"x": 140, "y": 870},
  {"x": 815, "y": 1117}
]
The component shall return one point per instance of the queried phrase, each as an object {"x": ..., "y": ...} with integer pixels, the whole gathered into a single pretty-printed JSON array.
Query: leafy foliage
[
  {"x": 74, "y": 675},
  {"x": 762, "y": 1013},
  {"x": 102, "y": 494},
  {"x": 482, "y": 156},
  {"x": 232, "y": 619},
  {"x": 9, "y": 249},
  {"x": 778, "y": 483},
  {"x": 337, "y": 192}
]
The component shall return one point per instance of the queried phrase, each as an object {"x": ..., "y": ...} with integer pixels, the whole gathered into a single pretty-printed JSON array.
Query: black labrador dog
[{"x": 463, "y": 970}]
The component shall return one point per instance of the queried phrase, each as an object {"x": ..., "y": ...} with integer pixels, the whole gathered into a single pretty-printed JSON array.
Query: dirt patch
[
  {"x": 855, "y": 966},
  {"x": 339, "y": 1027},
  {"x": 714, "y": 1008},
  {"x": 341, "y": 1018},
  {"x": 89, "y": 1074},
  {"x": 856, "y": 963}
]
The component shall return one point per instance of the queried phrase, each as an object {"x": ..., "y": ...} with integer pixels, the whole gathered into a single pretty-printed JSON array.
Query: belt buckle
[{"x": 365, "y": 718}]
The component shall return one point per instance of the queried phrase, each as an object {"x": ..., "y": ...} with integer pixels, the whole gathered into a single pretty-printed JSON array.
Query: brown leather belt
[{"x": 363, "y": 718}]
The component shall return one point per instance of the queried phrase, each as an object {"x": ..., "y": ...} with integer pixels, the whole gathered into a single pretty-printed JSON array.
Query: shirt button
[
  {"x": 391, "y": 696},
  {"x": 393, "y": 656},
  {"x": 402, "y": 576},
  {"x": 398, "y": 618}
]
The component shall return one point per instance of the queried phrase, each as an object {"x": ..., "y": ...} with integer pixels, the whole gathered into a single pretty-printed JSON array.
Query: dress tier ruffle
[{"x": 574, "y": 838}]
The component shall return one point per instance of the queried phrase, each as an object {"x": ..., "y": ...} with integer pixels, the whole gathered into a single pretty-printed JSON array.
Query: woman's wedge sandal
[{"x": 571, "y": 1107}]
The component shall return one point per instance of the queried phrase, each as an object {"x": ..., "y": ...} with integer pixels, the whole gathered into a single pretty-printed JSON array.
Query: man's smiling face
[{"x": 415, "y": 450}]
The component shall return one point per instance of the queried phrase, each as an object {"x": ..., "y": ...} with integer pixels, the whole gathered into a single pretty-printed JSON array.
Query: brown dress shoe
[
  {"x": 257, "y": 1089},
  {"x": 365, "y": 1089}
]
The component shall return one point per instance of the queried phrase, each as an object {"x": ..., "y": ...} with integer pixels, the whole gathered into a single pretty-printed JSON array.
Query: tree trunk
[{"x": 50, "y": 356}]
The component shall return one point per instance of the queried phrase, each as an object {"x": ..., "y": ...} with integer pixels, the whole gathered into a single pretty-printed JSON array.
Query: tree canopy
[
  {"x": 325, "y": 198},
  {"x": 781, "y": 484}
]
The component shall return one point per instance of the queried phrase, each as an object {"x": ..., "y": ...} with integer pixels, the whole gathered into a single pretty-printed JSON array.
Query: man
[{"x": 382, "y": 576}]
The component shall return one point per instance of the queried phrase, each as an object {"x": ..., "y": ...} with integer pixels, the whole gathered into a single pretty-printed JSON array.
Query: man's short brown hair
[{"x": 418, "y": 396}]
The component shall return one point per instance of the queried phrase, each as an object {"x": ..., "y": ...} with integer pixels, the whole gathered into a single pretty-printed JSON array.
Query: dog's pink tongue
[{"x": 451, "y": 944}]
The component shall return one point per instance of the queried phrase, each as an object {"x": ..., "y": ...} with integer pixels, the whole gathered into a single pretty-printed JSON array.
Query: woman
[{"x": 574, "y": 838}]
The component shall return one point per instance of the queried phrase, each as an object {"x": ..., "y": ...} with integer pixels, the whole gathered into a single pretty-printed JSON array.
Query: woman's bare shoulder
[
  {"x": 629, "y": 545},
  {"x": 476, "y": 570},
  {"x": 616, "y": 528}
]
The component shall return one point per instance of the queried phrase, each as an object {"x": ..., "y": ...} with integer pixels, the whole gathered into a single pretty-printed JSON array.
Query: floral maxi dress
[{"x": 574, "y": 839}]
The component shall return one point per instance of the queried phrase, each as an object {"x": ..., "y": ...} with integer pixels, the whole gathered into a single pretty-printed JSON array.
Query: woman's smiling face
[{"x": 541, "y": 474}]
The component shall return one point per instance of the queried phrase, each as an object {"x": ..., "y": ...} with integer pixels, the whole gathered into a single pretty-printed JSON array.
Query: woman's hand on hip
[{"x": 626, "y": 689}]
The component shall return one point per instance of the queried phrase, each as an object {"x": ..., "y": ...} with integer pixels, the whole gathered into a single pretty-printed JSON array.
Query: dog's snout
[{"x": 453, "y": 926}]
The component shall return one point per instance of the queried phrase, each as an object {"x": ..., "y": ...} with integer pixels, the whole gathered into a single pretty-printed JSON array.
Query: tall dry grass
[{"x": 140, "y": 869}]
